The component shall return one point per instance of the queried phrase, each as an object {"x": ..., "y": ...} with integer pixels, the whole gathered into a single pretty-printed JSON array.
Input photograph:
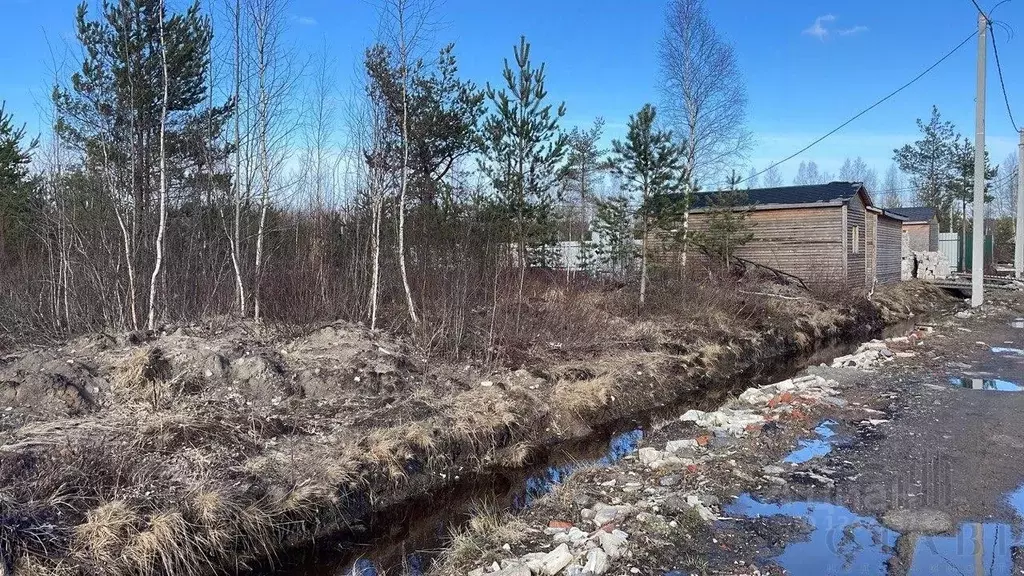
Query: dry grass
[
  {"x": 582, "y": 398},
  {"x": 480, "y": 541},
  {"x": 212, "y": 481},
  {"x": 106, "y": 531},
  {"x": 143, "y": 377}
]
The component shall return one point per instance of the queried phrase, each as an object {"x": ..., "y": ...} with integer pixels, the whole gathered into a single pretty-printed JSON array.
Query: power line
[
  {"x": 866, "y": 110},
  {"x": 995, "y": 50},
  {"x": 1002, "y": 84}
]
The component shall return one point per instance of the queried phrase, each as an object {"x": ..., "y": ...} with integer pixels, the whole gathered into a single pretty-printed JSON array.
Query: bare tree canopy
[
  {"x": 703, "y": 94},
  {"x": 772, "y": 178}
]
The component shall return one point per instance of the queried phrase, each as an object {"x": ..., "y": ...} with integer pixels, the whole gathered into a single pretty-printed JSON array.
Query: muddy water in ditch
[{"x": 407, "y": 540}]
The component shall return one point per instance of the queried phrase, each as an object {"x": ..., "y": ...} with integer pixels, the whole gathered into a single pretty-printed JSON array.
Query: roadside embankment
[{"x": 202, "y": 449}]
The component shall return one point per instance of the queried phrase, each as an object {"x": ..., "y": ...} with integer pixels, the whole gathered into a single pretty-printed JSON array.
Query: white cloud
[
  {"x": 853, "y": 31},
  {"x": 818, "y": 29},
  {"x": 306, "y": 20},
  {"x": 821, "y": 28}
]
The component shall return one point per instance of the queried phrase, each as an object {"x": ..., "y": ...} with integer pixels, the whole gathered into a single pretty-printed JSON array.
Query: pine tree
[
  {"x": 930, "y": 163},
  {"x": 650, "y": 165},
  {"x": 727, "y": 226},
  {"x": 113, "y": 114},
  {"x": 523, "y": 155},
  {"x": 583, "y": 169},
  {"x": 962, "y": 185},
  {"x": 613, "y": 235},
  {"x": 17, "y": 190}
]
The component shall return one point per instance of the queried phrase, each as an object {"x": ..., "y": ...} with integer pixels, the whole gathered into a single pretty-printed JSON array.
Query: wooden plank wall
[
  {"x": 856, "y": 269},
  {"x": 804, "y": 242},
  {"x": 871, "y": 247},
  {"x": 889, "y": 250}
]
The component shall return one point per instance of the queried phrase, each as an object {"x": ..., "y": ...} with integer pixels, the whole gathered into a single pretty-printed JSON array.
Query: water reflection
[
  {"x": 416, "y": 564},
  {"x": 619, "y": 447},
  {"x": 1007, "y": 351},
  {"x": 817, "y": 447},
  {"x": 986, "y": 384},
  {"x": 844, "y": 543}
]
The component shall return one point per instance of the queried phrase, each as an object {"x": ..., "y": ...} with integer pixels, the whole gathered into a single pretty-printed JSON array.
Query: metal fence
[{"x": 949, "y": 246}]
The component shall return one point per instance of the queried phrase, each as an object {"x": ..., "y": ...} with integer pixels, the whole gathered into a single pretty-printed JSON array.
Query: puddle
[
  {"x": 1008, "y": 351},
  {"x": 843, "y": 543},
  {"x": 986, "y": 384},
  {"x": 810, "y": 449}
]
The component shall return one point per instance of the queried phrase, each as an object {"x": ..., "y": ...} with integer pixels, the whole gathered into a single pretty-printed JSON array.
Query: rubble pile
[
  {"x": 576, "y": 551},
  {"x": 868, "y": 356},
  {"x": 924, "y": 265}
]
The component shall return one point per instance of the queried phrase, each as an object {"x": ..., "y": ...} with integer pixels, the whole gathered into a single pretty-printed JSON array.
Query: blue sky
[{"x": 808, "y": 65}]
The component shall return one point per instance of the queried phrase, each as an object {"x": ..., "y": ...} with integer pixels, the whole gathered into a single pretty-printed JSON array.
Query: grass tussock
[
  {"x": 480, "y": 541},
  {"x": 143, "y": 377}
]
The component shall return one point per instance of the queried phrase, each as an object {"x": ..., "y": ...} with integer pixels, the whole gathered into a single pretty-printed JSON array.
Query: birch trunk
[
  {"x": 162, "y": 228},
  {"x": 404, "y": 180},
  {"x": 375, "y": 248},
  {"x": 236, "y": 234},
  {"x": 263, "y": 121}
]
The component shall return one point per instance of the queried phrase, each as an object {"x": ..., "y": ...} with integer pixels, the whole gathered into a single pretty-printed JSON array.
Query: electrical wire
[
  {"x": 866, "y": 110},
  {"x": 1002, "y": 84},
  {"x": 995, "y": 50}
]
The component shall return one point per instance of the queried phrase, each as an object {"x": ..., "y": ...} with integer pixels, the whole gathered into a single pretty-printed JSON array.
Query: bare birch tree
[
  {"x": 406, "y": 23},
  {"x": 235, "y": 233},
  {"x": 275, "y": 79},
  {"x": 703, "y": 97},
  {"x": 162, "y": 226}
]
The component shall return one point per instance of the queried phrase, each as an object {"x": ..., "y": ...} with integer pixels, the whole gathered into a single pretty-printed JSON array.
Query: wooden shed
[
  {"x": 822, "y": 232},
  {"x": 921, "y": 228}
]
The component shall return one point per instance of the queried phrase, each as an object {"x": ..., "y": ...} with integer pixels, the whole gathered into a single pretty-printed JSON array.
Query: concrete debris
[
  {"x": 556, "y": 560},
  {"x": 604, "y": 514},
  {"x": 515, "y": 569},
  {"x": 924, "y": 265},
  {"x": 597, "y": 562},
  {"x": 649, "y": 455},
  {"x": 613, "y": 543},
  {"x": 727, "y": 420},
  {"x": 686, "y": 447},
  {"x": 869, "y": 355},
  {"x": 810, "y": 386},
  {"x": 534, "y": 561},
  {"x": 703, "y": 510}
]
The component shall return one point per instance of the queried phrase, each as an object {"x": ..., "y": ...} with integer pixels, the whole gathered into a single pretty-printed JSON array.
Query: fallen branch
[{"x": 771, "y": 295}]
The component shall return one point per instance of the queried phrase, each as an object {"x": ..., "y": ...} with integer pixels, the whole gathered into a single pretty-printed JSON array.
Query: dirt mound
[{"x": 46, "y": 383}]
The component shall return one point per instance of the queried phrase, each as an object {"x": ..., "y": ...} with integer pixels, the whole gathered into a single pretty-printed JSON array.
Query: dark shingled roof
[
  {"x": 916, "y": 213},
  {"x": 831, "y": 193}
]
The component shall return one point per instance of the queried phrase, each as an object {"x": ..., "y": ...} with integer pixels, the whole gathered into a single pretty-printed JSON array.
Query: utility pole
[
  {"x": 1018, "y": 253},
  {"x": 978, "y": 245}
]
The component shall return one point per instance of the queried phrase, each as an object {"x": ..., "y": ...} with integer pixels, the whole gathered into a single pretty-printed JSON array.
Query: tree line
[{"x": 197, "y": 167}]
